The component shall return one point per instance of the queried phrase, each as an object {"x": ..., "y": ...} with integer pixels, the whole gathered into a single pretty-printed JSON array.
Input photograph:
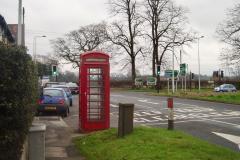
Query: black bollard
[{"x": 125, "y": 119}]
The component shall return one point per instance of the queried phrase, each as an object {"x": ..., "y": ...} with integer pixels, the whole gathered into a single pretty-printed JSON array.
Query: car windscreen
[
  {"x": 66, "y": 89},
  {"x": 53, "y": 92},
  {"x": 72, "y": 85}
]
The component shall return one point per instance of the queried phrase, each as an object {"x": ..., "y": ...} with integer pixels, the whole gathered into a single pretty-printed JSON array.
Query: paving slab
[{"x": 58, "y": 139}]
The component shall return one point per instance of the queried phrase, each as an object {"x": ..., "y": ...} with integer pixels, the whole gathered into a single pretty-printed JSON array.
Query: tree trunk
[{"x": 133, "y": 72}]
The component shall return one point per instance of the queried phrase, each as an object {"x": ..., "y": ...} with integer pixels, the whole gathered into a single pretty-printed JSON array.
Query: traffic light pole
[{"x": 158, "y": 77}]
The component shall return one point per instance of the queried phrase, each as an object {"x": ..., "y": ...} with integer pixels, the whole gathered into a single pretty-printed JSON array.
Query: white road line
[
  {"x": 124, "y": 96},
  {"x": 146, "y": 107},
  {"x": 213, "y": 120},
  {"x": 146, "y": 101},
  {"x": 227, "y": 118},
  {"x": 187, "y": 104},
  {"x": 197, "y": 120},
  {"x": 232, "y": 138},
  {"x": 114, "y": 106}
]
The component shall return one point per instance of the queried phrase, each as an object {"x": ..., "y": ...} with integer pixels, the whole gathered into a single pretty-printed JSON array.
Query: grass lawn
[{"x": 150, "y": 144}]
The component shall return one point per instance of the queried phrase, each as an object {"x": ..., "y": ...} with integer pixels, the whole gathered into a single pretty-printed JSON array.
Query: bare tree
[
  {"x": 125, "y": 33},
  {"x": 167, "y": 22},
  {"x": 86, "y": 38},
  {"x": 229, "y": 33}
]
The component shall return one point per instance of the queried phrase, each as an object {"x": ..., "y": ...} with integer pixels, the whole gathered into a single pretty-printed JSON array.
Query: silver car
[{"x": 225, "y": 88}]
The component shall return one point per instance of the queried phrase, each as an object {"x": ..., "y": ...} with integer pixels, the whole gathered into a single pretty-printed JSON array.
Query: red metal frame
[{"x": 94, "y": 87}]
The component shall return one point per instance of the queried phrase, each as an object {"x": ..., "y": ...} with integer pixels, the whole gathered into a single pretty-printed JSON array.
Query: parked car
[
  {"x": 73, "y": 87},
  {"x": 225, "y": 88},
  {"x": 49, "y": 84},
  {"x": 67, "y": 90},
  {"x": 53, "y": 100}
]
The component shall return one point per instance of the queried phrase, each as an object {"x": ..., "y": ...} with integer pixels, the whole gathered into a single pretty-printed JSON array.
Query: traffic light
[
  {"x": 54, "y": 70},
  {"x": 158, "y": 69},
  {"x": 222, "y": 75},
  {"x": 192, "y": 76}
]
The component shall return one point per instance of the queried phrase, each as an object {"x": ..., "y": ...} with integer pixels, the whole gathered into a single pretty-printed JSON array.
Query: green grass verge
[
  {"x": 204, "y": 94},
  {"x": 150, "y": 144}
]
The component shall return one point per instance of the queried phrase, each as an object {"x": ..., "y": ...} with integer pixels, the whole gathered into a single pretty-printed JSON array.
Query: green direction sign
[
  {"x": 183, "y": 68},
  {"x": 151, "y": 81},
  {"x": 168, "y": 73},
  {"x": 138, "y": 81}
]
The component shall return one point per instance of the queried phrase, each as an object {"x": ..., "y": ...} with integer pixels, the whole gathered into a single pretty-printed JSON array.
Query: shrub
[{"x": 18, "y": 97}]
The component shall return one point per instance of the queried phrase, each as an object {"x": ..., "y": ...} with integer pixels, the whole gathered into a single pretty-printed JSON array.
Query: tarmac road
[{"x": 206, "y": 120}]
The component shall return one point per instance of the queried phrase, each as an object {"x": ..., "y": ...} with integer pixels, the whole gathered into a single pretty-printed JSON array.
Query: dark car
[
  {"x": 73, "y": 87},
  {"x": 53, "y": 100},
  {"x": 67, "y": 90},
  {"x": 225, "y": 88}
]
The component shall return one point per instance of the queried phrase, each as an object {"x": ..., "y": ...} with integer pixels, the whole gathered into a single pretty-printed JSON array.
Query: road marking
[
  {"x": 116, "y": 95},
  {"x": 60, "y": 123},
  {"x": 146, "y": 101},
  {"x": 114, "y": 106},
  {"x": 205, "y": 119},
  {"x": 152, "y": 124},
  {"x": 232, "y": 138},
  {"x": 187, "y": 104}
]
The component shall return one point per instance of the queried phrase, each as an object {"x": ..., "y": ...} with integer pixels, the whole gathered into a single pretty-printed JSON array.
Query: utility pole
[
  {"x": 23, "y": 28},
  {"x": 173, "y": 86},
  {"x": 19, "y": 37},
  {"x": 180, "y": 65},
  {"x": 199, "y": 77}
]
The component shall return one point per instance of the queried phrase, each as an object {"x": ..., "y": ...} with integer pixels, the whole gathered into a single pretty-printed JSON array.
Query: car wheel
[{"x": 66, "y": 113}]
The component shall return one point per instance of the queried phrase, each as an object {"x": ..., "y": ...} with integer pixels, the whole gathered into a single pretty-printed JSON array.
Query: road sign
[
  {"x": 138, "y": 81},
  {"x": 151, "y": 81},
  {"x": 183, "y": 68},
  {"x": 168, "y": 73}
]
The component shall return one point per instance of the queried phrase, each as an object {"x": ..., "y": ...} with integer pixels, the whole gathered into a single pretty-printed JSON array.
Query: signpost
[
  {"x": 168, "y": 74},
  {"x": 151, "y": 81},
  {"x": 183, "y": 68},
  {"x": 138, "y": 82}
]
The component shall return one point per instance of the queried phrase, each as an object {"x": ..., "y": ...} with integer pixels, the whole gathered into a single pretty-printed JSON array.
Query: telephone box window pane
[{"x": 95, "y": 94}]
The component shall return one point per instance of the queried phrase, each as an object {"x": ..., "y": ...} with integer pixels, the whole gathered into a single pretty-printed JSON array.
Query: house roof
[{"x": 6, "y": 30}]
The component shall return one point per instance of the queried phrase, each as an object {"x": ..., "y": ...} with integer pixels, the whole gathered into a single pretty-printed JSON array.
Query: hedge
[{"x": 18, "y": 97}]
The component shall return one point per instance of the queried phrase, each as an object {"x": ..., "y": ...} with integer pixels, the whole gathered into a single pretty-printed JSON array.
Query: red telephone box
[{"x": 94, "y": 92}]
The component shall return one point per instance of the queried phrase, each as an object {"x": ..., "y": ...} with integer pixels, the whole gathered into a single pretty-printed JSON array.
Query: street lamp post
[
  {"x": 19, "y": 33},
  {"x": 35, "y": 47},
  {"x": 199, "y": 77}
]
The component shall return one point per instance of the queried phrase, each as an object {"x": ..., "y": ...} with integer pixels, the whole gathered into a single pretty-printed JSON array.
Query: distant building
[{"x": 5, "y": 33}]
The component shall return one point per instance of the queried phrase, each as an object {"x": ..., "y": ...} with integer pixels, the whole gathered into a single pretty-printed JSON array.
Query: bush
[{"x": 18, "y": 97}]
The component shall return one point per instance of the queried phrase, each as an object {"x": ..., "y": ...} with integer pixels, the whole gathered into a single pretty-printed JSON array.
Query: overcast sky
[{"x": 54, "y": 18}]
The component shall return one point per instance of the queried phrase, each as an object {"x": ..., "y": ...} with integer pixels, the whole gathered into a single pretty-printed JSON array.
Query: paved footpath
[{"x": 58, "y": 139}]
